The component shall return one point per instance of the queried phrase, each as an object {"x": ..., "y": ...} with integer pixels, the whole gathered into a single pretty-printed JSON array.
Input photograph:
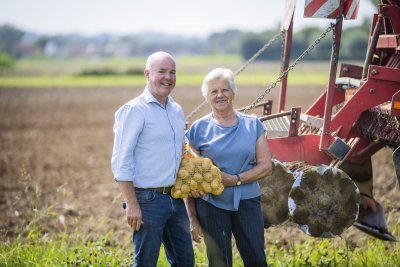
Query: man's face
[{"x": 161, "y": 77}]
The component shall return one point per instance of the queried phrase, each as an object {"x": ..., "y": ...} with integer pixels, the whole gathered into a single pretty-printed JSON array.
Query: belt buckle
[{"x": 166, "y": 190}]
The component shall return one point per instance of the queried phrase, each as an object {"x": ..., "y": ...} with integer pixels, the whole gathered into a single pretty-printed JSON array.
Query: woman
[{"x": 236, "y": 143}]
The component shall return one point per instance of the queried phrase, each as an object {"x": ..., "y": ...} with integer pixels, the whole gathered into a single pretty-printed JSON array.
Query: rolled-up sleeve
[{"x": 127, "y": 128}]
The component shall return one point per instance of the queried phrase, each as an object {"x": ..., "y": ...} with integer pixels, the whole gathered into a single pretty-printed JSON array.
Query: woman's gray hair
[{"x": 219, "y": 73}]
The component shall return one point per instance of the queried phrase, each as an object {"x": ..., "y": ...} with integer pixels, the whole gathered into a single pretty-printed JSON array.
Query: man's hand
[
  {"x": 133, "y": 211},
  {"x": 134, "y": 216}
]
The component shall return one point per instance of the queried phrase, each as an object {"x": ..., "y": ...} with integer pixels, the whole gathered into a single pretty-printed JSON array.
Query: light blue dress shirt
[
  {"x": 148, "y": 141},
  {"x": 232, "y": 150}
]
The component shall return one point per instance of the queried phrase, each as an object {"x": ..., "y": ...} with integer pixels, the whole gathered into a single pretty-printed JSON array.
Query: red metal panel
[
  {"x": 285, "y": 59},
  {"x": 317, "y": 108},
  {"x": 294, "y": 121},
  {"x": 355, "y": 11},
  {"x": 351, "y": 71},
  {"x": 393, "y": 12},
  {"x": 384, "y": 74},
  {"x": 363, "y": 149},
  {"x": 329, "y": 102},
  {"x": 372, "y": 93},
  {"x": 312, "y": 7},
  {"x": 267, "y": 110},
  {"x": 389, "y": 41},
  {"x": 298, "y": 148},
  {"x": 350, "y": 10},
  {"x": 330, "y": 9}
]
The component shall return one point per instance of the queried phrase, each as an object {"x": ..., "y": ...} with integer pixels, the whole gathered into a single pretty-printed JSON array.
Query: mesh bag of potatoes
[{"x": 196, "y": 174}]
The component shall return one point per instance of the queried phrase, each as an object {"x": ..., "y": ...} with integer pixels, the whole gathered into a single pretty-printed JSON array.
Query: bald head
[
  {"x": 160, "y": 73},
  {"x": 156, "y": 57}
]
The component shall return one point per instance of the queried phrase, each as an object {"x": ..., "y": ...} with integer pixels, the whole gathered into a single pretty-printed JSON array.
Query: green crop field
[
  {"x": 33, "y": 247},
  {"x": 191, "y": 70},
  {"x": 185, "y": 79}
]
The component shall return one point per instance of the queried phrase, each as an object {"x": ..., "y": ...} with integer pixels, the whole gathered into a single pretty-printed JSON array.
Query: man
[{"x": 149, "y": 134}]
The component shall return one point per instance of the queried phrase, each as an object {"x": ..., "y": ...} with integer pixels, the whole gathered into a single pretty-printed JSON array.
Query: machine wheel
[
  {"x": 274, "y": 194},
  {"x": 323, "y": 201}
]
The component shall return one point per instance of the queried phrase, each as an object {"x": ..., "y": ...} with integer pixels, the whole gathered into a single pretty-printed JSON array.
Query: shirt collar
[{"x": 148, "y": 97}]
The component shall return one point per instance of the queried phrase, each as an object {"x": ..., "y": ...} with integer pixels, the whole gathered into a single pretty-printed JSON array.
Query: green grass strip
[
  {"x": 38, "y": 249},
  {"x": 63, "y": 250},
  {"x": 254, "y": 79}
]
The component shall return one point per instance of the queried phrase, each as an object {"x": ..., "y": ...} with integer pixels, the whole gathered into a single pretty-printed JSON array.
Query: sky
[{"x": 191, "y": 18}]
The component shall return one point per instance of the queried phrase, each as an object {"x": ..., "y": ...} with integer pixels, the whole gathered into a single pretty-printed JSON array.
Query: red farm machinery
[{"x": 322, "y": 176}]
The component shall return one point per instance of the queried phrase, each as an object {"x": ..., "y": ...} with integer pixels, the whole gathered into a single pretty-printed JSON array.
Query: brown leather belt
[{"x": 165, "y": 190}]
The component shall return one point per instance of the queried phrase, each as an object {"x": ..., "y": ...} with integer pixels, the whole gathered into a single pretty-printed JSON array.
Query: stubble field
[{"x": 55, "y": 172}]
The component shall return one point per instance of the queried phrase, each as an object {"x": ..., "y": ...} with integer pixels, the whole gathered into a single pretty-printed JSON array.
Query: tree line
[{"x": 16, "y": 43}]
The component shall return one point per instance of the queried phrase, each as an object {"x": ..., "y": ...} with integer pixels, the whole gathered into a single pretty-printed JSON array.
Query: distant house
[{"x": 51, "y": 49}]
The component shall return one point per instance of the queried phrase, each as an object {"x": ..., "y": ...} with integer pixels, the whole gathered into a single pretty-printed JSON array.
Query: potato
[
  {"x": 214, "y": 184},
  {"x": 218, "y": 191},
  {"x": 177, "y": 194},
  {"x": 185, "y": 161},
  {"x": 206, "y": 164},
  {"x": 206, "y": 187},
  {"x": 197, "y": 174},
  {"x": 193, "y": 185},
  {"x": 198, "y": 177},
  {"x": 185, "y": 189},
  {"x": 178, "y": 184},
  {"x": 189, "y": 167},
  {"x": 207, "y": 177},
  {"x": 183, "y": 174},
  {"x": 215, "y": 171}
]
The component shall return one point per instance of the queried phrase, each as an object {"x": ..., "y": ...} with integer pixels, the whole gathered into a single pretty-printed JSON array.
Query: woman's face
[{"x": 220, "y": 95}]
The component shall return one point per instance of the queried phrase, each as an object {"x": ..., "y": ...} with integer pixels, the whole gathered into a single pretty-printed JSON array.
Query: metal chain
[
  {"x": 194, "y": 112},
  {"x": 259, "y": 52},
  {"x": 285, "y": 73},
  {"x": 241, "y": 69},
  {"x": 334, "y": 59},
  {"x": 283, "y": 52}
]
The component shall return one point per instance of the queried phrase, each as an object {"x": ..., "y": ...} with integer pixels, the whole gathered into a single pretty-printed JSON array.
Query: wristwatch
[{"x": 238, "y": 180}]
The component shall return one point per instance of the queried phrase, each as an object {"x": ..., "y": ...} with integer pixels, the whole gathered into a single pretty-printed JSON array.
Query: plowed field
[{"x": 55, "y": 160}]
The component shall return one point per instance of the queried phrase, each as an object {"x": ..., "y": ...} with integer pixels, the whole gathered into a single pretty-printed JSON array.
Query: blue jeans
[
  {"x": 247, "y": 226},
  {"x": 164, "y": 221}
]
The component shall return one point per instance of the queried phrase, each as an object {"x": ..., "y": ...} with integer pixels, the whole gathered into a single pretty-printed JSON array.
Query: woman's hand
[
  {"x": 195, "y": 229},
  {"x": 197, "y": 193},
  {"x": 228, "y": 179}
]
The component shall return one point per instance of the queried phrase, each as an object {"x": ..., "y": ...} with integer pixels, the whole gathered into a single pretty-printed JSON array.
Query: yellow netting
[{"x": 196, "y": 174}]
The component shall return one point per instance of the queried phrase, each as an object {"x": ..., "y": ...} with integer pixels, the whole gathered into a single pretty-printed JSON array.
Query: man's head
[{"x": 160, "y": 73}]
